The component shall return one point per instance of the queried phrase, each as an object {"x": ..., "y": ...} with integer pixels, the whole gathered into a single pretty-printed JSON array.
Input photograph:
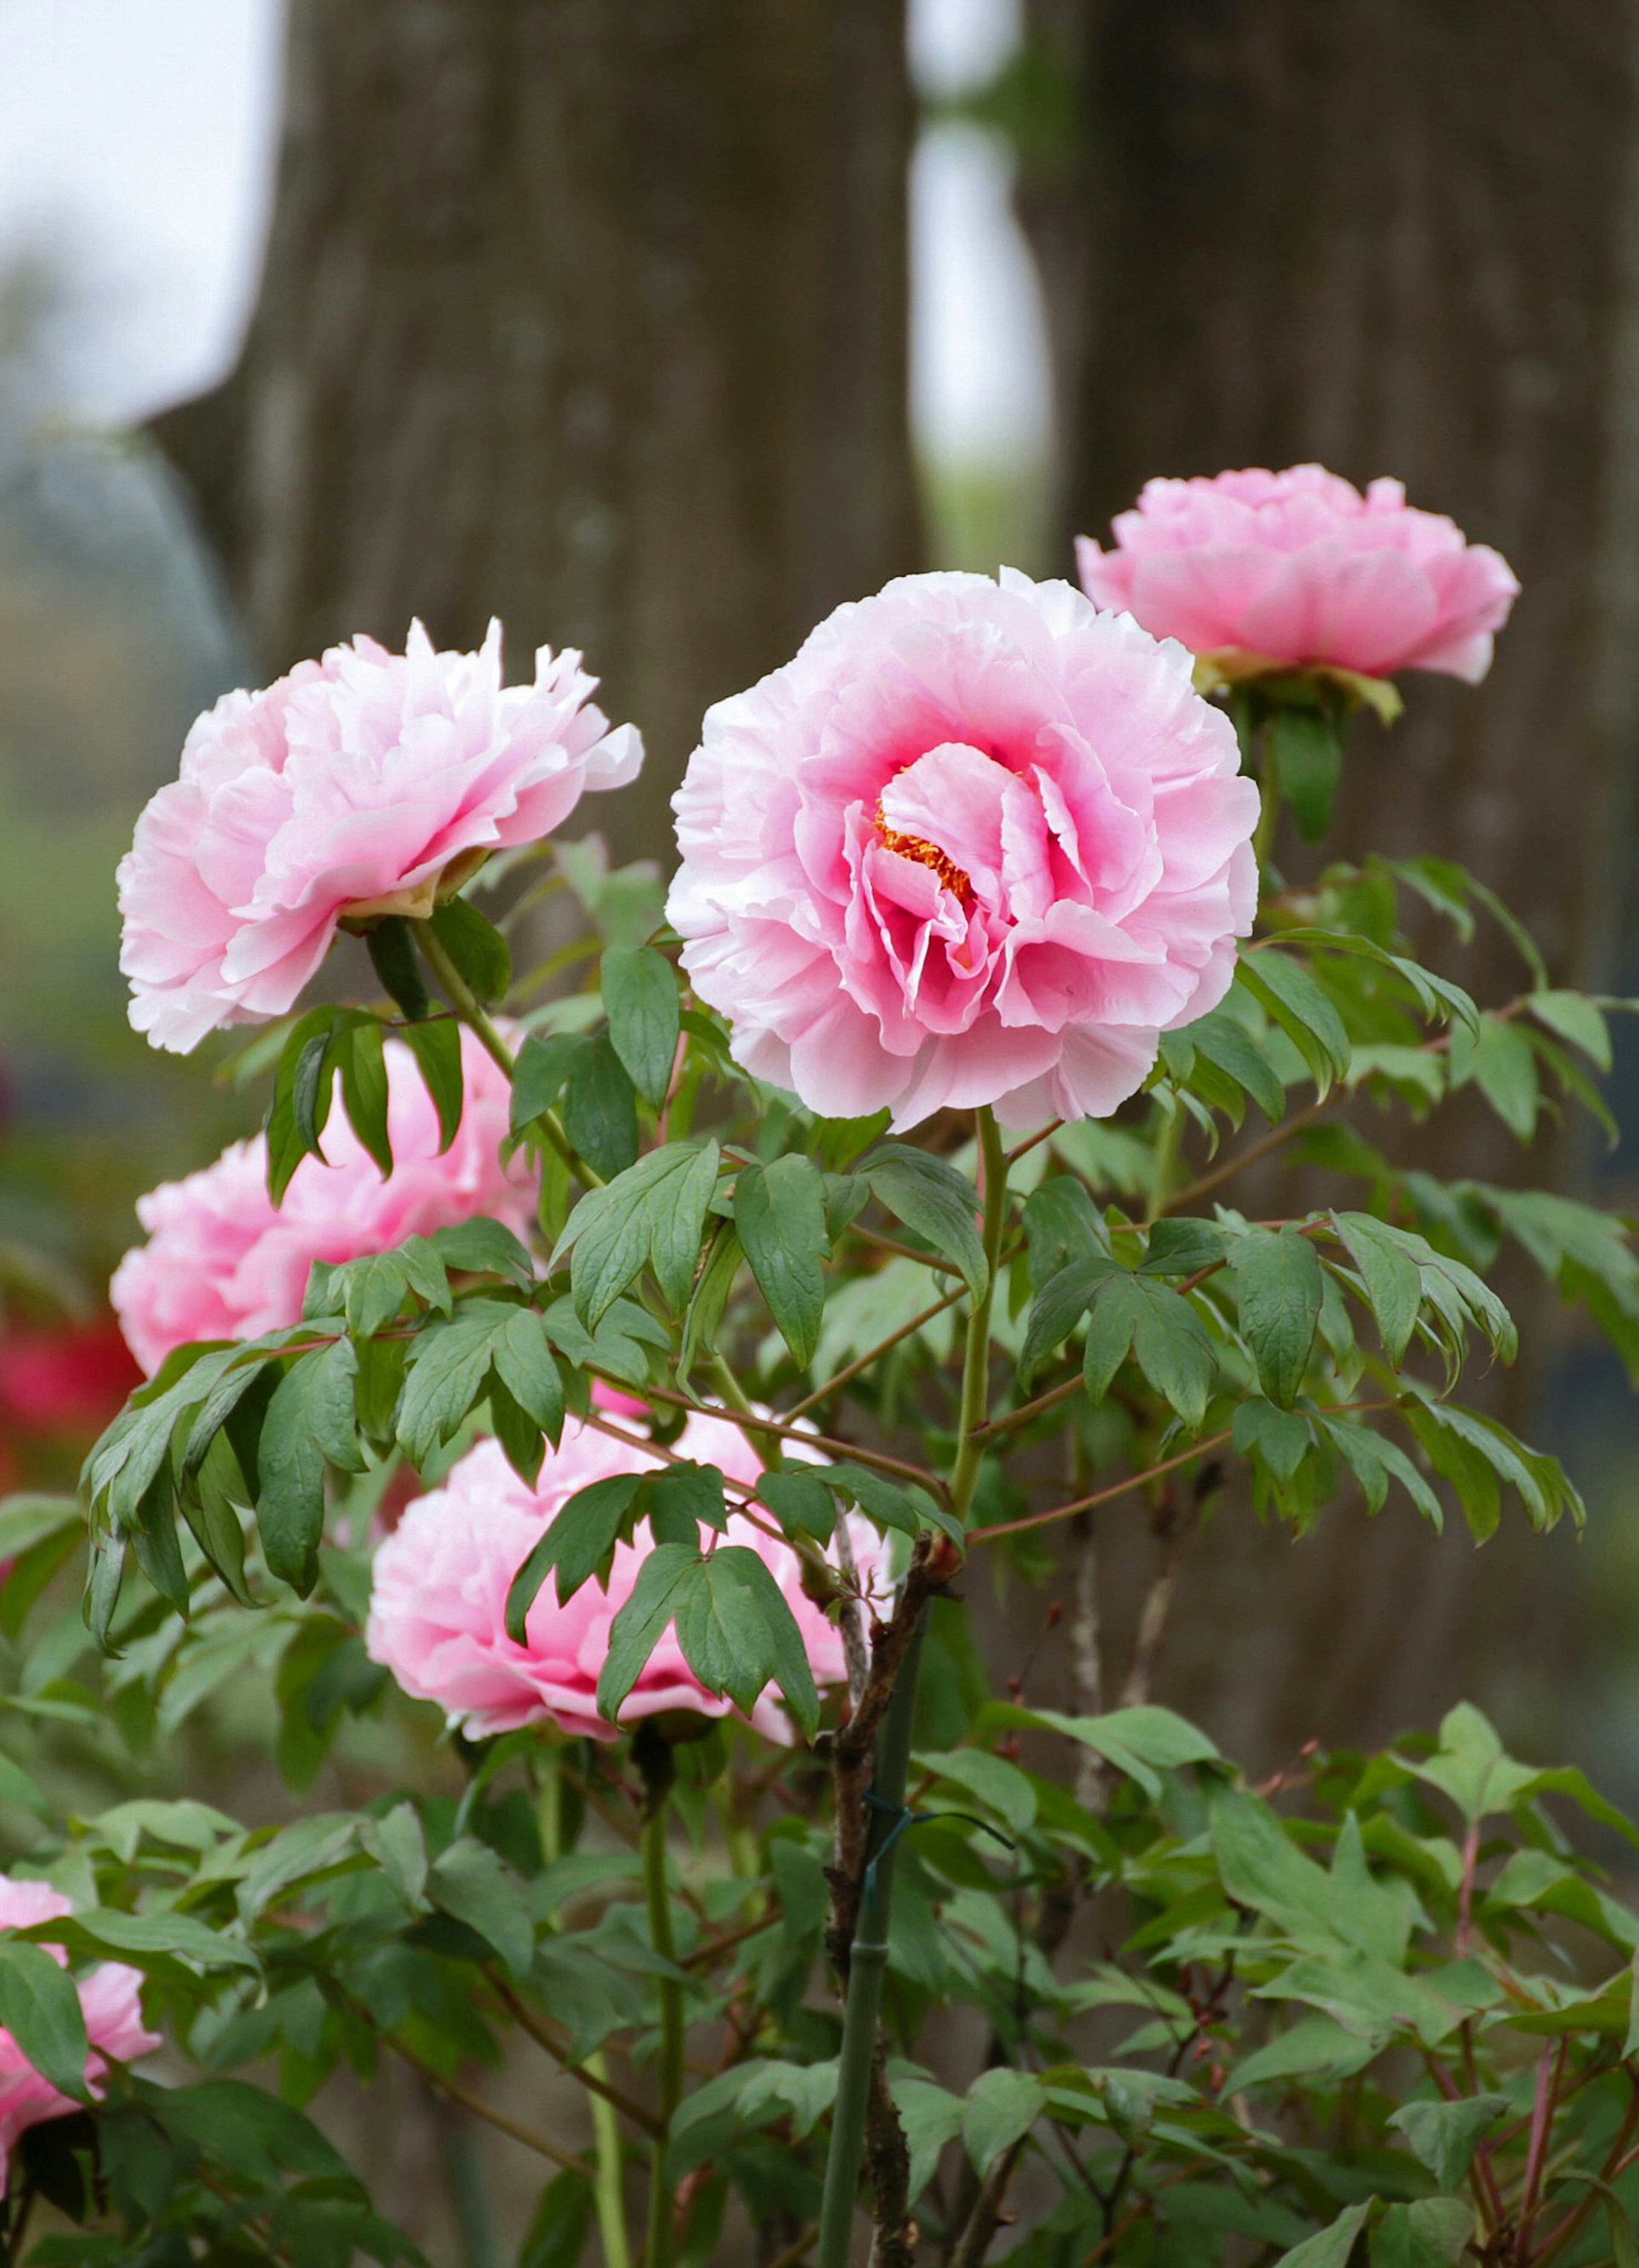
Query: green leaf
[
  {"x": 364, "y": 1090},
  {"x": 301, "y": 1094},
  {"x": 1445, "y": 2135},
  {"x": 543, "y": 1066},
  {"x": 580, "y": 1538},
  {"x": 1062, "y": 1223},
  {"x": 478, "y": 948},
  {"x": 1171, "y": 1348},
  {"x": 393, "y": 955},
  {"x": 640, "y": 1000},
  {"x": 1303, "y": 1011},
  {"x": 1058, "y": 1307},
  {"x": 523, "y": 1362},
  {"x": 930, "y": 2116},
  {"x": 1504, "y": 1066},
  {"x": 471, "y": 1881},
  {"x": 557, "y": 2235},
  {"x": 677, "y": 1225},
  {"x": 1002, "y": 2106},
  {"x": 310, "y": 1418},
  {"x": 779, "y": 1213},
  {"x": 1332, "y": 2248},
  {"x": 638, "y": 1627},
  {"x": 436, "y": 1046},
  {"x": 1117, "y": 1303},
  {"x": 1391, "y": 1278},
  {"x": 150, "y": 1936},
  {"x": 801, "y": 1502},
  {"x": 396, "y": 1842},
  {"x": 1279, "y": 1282},
  {"x": 1229, "y": 1046},
  {"x": 1308, "y": 759},
  {"x": 482, "y": 1247},
  {"x": 931, "y": 1198},
  {"x": 447, "y": 1366},
  {"x": 682, "y": 1499},
  {"x": 738, "y": 1634},
  {"x": 654, "y": 1212},
  {"x": 1279, "y": 1437},
  {"x": 601, "y": 1109},
  {"x": 1577, "y": 1018},
  {"x": 41, "y": 2008}
]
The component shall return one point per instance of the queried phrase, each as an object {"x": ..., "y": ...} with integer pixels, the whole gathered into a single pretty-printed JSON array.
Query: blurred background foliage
[{"x": 662, "y": 330}]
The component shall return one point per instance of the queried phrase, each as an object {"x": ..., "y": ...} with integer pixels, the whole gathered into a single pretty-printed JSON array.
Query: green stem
[
  {"x": 868, "y": 1958},
  {"x": 478, "y": 1021},
  {"x": 975, "y": 1360},
  {"x": 661, "y": 2249},
  {"x": 610, "y": 2190},
  {"x": 1269, "y": 813}
]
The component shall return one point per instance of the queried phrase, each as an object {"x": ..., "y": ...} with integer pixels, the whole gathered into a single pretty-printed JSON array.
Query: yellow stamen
[{"x": 926, "y": 854}]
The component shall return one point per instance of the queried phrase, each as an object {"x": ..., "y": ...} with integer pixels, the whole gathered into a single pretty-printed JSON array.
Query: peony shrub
[{"x": 656, "y": 1356}]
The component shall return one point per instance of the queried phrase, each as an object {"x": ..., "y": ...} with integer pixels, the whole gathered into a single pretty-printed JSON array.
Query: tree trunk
[
  {"x": 1397, "y": 236},
  {"x": 591, "y": 317}
]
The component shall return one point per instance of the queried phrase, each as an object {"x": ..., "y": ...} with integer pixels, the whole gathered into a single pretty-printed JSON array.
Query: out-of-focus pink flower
[
  {"x": 70, "y": 1378},
  {"x": 220, "y": 1262},
  {"x": 367, "y": 783},
  {"x": 977, "y": 843},
  {"x": 438, "y": 1610},
  {"x": 1299, "y": 569},
  {"x": 110, "y": 1998}
]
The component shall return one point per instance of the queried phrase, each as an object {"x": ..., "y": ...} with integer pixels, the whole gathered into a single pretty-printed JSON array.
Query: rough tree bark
[
  {"x": 591, "y": 317},
  {"x": 1402, "y": 236}
]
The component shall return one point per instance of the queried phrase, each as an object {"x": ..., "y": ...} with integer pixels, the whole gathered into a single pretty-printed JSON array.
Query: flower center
[{"x": 926, "y": 854}]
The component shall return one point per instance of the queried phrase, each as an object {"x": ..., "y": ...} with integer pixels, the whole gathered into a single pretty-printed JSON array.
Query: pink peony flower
[
  {"x": 1299, "y": 569},
  {"x": 221, "y": 1264},
  {"x": 976, "y": 844},
  {"x": 438, "y": 1610},
  {"x": 109, "y": 1996},
  {"x": 368, "y": 783}
]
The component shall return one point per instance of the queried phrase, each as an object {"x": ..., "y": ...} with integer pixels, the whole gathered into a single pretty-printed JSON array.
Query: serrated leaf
[
  {"x": 661, "y": 1583},
  {"x": 738, "y": 1635},
  {"x": 1057, "y": 1308},
  {"x": 581, "y": 1537},
  {"x": 639, "y": 987},
  {"x": 779, "y": 1213},
  {"x": 1278, "y": 1281},
  {"x": 448, "y": 1364}
]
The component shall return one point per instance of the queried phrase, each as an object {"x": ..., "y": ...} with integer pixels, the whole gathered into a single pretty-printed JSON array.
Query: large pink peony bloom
[
  {"x": 361, "y": 783},
  {"x": 438, "y": 1610},
  {"x": 978, "y": 844},
  {"x": 1299, "y": 568},
  {"x": 109, "y": 1996},
  {"x": 221, "y": 1264}
]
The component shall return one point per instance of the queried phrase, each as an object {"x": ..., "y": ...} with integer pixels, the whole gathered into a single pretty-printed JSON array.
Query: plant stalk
[
  {"x": 660, "y": 2250},
  {"x": 868, "y": 1958},
  {"x": 867, "y": 1962},
  {"x": 610, "y": 2188}
]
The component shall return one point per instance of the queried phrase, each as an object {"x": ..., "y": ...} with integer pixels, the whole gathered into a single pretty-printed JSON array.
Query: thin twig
[
  {"x": 525, "y": 2017},
  {"x": 1277, "y": 1138},
  {"x": 872, "y": 1355},
  {"x": 480, "y": 2108},
  {"x": 986, "y": 2216},
  {"x": 1099, "y": 1496}
]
